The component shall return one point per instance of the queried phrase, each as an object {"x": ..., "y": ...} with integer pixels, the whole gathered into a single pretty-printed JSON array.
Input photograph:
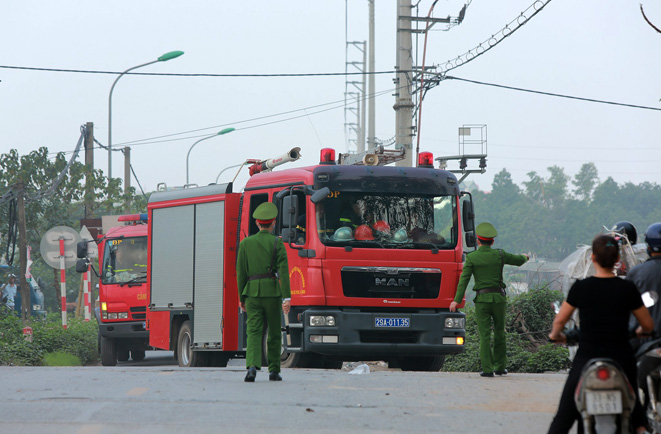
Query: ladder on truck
[{"x": 377, "y": 156}]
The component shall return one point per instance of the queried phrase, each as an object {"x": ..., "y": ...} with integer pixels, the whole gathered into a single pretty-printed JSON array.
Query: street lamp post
[
  {"x": 164, "y": 58},
  {"x": 219, "y": 133}
]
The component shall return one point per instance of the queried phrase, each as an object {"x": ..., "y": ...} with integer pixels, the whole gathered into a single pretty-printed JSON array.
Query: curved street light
[
  {"x": 219, "y": 133},
  {"x": 164, "y": 58}
]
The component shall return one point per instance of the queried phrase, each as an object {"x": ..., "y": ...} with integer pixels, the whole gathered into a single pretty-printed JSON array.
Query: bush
[
  {"x": 60, "y": 358},
  {"x": 79, "y": 340},
  {"x": 529, "y": 320}
]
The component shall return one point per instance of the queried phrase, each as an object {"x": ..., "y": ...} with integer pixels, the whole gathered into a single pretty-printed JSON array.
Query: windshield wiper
[{"x": 434, "y": 247}]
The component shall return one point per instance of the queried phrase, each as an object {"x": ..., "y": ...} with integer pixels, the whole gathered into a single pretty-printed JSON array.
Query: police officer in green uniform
[
  {"x": 262, "y": 275},
  {"x": 486, "y": 266}
]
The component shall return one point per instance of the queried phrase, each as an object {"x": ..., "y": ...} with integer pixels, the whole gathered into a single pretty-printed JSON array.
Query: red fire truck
[
  {"x": 375, "y": 253},
  {"x": 122, "y": 290}
]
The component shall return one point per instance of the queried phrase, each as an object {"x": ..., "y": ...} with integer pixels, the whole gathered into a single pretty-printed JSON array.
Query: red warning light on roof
[{"x": 327, "y": 156}]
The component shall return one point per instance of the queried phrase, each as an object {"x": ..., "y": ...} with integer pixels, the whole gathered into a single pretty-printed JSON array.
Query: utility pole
[
  {"x": 127, "y": 177},
  {"x": 404, "y": 103},
  {"x": 371, "y": 135},
  {"x": 89, "y": 162},
  {"x": 22, "y": 248}
]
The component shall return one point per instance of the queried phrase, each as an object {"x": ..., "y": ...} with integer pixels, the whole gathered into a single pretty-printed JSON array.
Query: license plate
[
  {"x": 604, "y": 402},
  {"x": 392, "y": 322}
]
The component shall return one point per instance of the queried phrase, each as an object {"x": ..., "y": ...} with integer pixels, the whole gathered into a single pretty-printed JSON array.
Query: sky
[{"x": 588, "y": 48}]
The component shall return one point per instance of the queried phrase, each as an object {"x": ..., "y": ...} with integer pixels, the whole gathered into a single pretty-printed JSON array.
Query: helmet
[
  {"x": 629, "y": 229},
  {"x": 364, "y": 232},
  {"x": 343, "y": 234},
  {"x": 400, "y": 236},
  {"x": 653, "y": 237},
  {"x": 382, "y": 227}
]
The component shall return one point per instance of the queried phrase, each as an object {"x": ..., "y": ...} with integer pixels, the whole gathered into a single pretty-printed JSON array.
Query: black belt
[
  {"x": 261, "y": 276},
  {"x": 490, "y": 290}
]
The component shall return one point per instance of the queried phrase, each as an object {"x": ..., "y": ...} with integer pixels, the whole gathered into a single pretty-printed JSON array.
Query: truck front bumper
[
  {"x": 123, "y": 330},
  {"x": 378, "y": 335}
]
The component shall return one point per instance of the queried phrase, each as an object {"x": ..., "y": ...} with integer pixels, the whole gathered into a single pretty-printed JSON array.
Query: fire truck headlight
[
  {"x": 104, "y": 315},
  {"x": 322, "y": 321},
  {"x": 123, "y": 315},
  {"x": 455, "y": 323},
  {"x": 112, "y": 315}
]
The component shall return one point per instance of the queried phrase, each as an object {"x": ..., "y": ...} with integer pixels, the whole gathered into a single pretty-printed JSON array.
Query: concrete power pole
[
  {"x": 371, "y": 135},
  {"x": 89, "y": 161},
  {"x": 404, "y": 103},
  {"x": 127, "y": 177},
  {"x": 26, "y": 303}
]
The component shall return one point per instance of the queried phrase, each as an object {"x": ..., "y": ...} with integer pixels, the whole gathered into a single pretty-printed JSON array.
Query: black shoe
[
  {"x": 486, "y": 374},
  {"x": 275, "y": 376},
  {"x": 503, "y": 372},
  {"x": 250, "y": 376}
]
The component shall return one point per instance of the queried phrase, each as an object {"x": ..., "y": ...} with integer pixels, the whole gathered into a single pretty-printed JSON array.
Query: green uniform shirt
[
  {"x": 485, "y": 265},
  {"x": 255, "y": 255}
]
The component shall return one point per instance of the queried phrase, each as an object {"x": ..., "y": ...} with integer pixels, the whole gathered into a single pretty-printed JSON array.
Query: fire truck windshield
[
  {"x": 393, "y": 221},
  {"x": 125, "y": 260}
]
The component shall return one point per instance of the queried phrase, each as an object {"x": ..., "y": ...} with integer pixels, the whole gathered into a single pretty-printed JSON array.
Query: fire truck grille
[
  {"x": 383, "y": 282},
  {"x": 388, "y": 337},
  {"x": 139, "y": 312}
]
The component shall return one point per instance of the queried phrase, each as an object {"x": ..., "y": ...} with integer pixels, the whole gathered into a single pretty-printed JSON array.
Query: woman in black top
[{"x": 604, "y": 303}]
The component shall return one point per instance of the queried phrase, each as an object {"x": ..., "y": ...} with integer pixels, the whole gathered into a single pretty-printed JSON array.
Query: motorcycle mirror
[
  {"x": 555, "y": 306},
  {"x": 650, "y": 298}
]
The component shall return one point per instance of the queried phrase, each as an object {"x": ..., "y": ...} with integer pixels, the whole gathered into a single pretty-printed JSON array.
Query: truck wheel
[
  {"x": 218, "y": 359},
  {"x": 429, "y": 364},
  {"x": 108, "y": 352},
  {"x": 185, "y": 354},
  {"x": 122, "y": 355},
  {"x": 137, "y": 355},
  {"x": 295, "y": 360},
  {"x": 333, "y": 364}
]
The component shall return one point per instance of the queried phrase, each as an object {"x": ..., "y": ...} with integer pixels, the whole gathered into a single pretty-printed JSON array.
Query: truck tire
[
  {"x": 185, "y": 354},
  {"x": 428, "y": 364},
  {"x": 122, "y": 355},
  {"x": 295, "y": 360},
  {"x": 108, "y": 352},
  {"x": 218, "y": 359},
  {"x": 137, "y": 355}
]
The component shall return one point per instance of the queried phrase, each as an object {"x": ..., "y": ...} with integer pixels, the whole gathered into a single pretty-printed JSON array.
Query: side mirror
[
  {"x": 82, "y": 264},
  {"x": 320, "y": 195},
  {"x": 289, "y": 211},
  {"x": 288, "y": 235},
  {"x": 81, "y": 249},
  {"x": 470, "y": 239},
  {"x": 468, "y": 216}
]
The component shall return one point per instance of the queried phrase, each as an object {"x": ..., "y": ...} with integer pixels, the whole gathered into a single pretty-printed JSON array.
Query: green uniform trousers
[
  {"x": 258, "y": 309},
  {"x": 496, "y": 359}
]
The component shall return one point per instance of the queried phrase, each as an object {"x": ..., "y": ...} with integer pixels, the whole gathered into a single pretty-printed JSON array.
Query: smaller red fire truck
[{"x": 123, "y": 294}]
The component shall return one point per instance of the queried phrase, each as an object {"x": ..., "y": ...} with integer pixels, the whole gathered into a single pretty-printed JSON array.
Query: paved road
[{"x": 145, "y": 399}]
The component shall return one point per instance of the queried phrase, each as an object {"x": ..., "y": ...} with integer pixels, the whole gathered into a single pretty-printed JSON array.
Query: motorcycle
[
  {"x": 604, "y": 396},
  {"x": 652, "y": 350}
]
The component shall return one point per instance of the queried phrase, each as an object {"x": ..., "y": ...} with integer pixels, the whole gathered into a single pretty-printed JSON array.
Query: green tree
[{"x": 585, "y": 181}]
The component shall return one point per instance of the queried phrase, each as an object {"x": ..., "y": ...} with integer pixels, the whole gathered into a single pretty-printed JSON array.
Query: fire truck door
[{"x": 208, "y": 287}]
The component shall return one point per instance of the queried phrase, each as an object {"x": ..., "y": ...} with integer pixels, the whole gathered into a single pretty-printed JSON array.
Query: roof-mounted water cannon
[{"x": 271, "y": 163}]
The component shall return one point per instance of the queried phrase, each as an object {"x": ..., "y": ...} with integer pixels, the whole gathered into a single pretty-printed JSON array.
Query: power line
[
  {"x": 173, "y": 74},
  {"x": 551, "y": 94}
]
